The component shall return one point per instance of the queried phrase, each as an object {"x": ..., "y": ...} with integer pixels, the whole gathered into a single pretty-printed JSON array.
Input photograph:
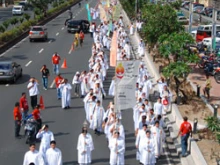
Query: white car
[
  {"x": 208, "y": 41},
  {"x": 18, "y": 10}
]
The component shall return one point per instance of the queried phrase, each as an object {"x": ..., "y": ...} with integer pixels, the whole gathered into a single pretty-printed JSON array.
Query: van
[
  {"x": 208, "y": 27},
  {"x": 17, "y": 10}
]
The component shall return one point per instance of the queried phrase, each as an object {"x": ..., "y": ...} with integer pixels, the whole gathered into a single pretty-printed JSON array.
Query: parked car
[
  {"x": 77, "y": 25},
  {"x": 206, "y": 10},
  {"x": 24, "y": 4},
  {"x": 184, "y": 3},
  {"x": 10, "y": 71},
  {"x": 218, "y": 14},
  {"x": 197, "y": 9},
  {"x": 187, "y": 6},
  {"x": 183, "y": 20},
  {"x": 17, "y": 10},
  {"x": 38, "y": 33},
  {"x": 208, "y": 41}
]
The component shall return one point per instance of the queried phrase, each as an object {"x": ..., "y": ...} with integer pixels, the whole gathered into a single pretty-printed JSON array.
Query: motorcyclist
[{"x": 79, "y": 4}]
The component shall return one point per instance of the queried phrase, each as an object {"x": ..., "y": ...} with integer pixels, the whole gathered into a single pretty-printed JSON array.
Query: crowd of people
[{"x": 147, "y": 118}]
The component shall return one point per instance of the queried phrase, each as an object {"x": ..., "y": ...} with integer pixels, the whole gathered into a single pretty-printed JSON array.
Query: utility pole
[
  {"x": 3, "y": 3},
  {"x": 214, "y": 20},
  {"x": 190, "y": 15},
  {"x": 136, "y": 6}
]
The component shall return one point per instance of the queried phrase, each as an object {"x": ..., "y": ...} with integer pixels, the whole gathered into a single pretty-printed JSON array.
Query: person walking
[
  {"x": 81, "y": 38},
  {"x": 185, "y": 130},
  {"x": 55, "y": 61},
  {"x": 37, "y": 117},
  {"x": 58, "y": 80},
  {"x": 65, "y": 87},
  {"x": 53, "y": 155},
  {"x": 46, "y": 137},
  {"x": 33, "y": 91},
  {"x": 208, "y": 86},
  {"x": 33, "y": 157},
  {"x": 85, "y": 147},
  {"x": 76, "y": 83},
  {"x": 45, "y": 74},
  {"x": 17, "y": 119},
  {"x": 24, "y": 107}
]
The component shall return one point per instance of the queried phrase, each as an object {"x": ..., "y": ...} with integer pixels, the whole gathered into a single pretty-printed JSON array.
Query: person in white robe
[
  {"x": 158, "y": 108},
  {"x": 111, "y": 91},
  {"x": 141, "y": 49},
  {"x": 119, "y": 127},
  {"x": 127, "y": 49},
  {"x": 140, "y": 140},
  {"x": 147, "y": 86},
  {"x": 135, "y": 111},
  {"x": 99, "y": 91},
  {"x": 161, "y": 83},
  {"x": 117, "y": 149},
  {"x": 46, "y": 137},
  {"x": 88, "y": 97},
  {"x": 120, "y": 21},
  {"x": 151, "y": 117},
  {"x": 66, "y": 88},
  {"x": 137, "y": 115},
  {"x": 158, "y": 135},
  {"x": 165, "y": 102},
  {"x": 109, "y": 122},
  {"x": 147, "y": 105},
  {"x": 97, "y": 118},
  {"x": 53, "y": 155},
  {"x": 90, "y": 105},
  {"x": 147, "y": 153},
  {"x": 161, "y": 121},
  {"x": 84, "y": 84},
  {"x": 132, "y": 29},
  {"x": 85, "y": 147},
  {"x": 33, "y": 156},
  {"x": 142, "y": 72}
]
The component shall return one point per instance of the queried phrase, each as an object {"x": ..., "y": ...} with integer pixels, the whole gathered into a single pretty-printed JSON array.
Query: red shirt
[
  {"x": 23, "y": 103},
  {"x": 56, "y": 59},
  {"x": 81, "y": 35},
  {"x": 36, "y": 114},
  {"x": 58, "y": 81},
  {"x": 17, "y": 114},
  {"x": 185, "y": 128}
]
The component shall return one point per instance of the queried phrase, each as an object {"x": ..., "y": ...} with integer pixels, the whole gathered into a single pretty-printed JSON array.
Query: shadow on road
[
  {"x": 103, "y": 160},
  {"x": 61, "y": 134},
  {"x": 24, "y": 79},
  {"x": 48, "y": 122},
  {"x": 70, "y": 163}
]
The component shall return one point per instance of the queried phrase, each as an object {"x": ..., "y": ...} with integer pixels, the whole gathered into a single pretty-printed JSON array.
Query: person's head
[
  {"x": 144, "y": 118},
  {"x": 185, "y": 118},
  {"x": 146, "y": 101},
  {"x": 97, "y": 85},
  {"x": 37, "y": 106},
  {"x": 55, "y": 54},
  {"x": 145, "y": 77},
  {"x": 23, "y": 94},
  {"x": 143, "y": 106},
  {"x": 151, "y": 111},
  {"x": 44, "y": 66},
  {"x": 207, "y": 76},
  {"x": 162, "y": 79},
  {"x": 98, "y": 103},
  {"x": 32, "y": 147},
  {"x": 157, "y": 123},
  {"x": 140, "y": 88},
  {"x": 65, "y": 80},
  {"x": 159, "y": 99},
  {"x": 165, "y": 87},
  {"x": 139, "y": 99},
  {"x": 93, "y": 98},
  {"x": 46, "y": 127},
  {"x": 31, "y": 163},
  {"x": 53, "y": 144},
  {"x": 17, "y": 104},
  {"x": 148, "y": 133},
  {"x": 84, "y": 131},
  {"x": 144, "y": 127},
  {"x": 59, "y": 75},
  {"x": 159, "y": 117},
  {"x": 32, "y": 79},
  {"x": 116, "y": 134}
]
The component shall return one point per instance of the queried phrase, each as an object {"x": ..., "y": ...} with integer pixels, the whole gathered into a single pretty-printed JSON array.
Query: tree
[
  {"x": 21, "y": 20},
  {"x": 41, "y": 5},
  {"x": 176, "y": 5},
  {"x": 159, "y": 20}
]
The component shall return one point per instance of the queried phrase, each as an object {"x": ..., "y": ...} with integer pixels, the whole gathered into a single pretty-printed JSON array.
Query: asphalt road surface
[{"x": 65, "y": 124}]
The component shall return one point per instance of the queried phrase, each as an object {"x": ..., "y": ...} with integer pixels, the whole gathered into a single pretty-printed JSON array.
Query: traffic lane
[{"x": 17, "y": 145}]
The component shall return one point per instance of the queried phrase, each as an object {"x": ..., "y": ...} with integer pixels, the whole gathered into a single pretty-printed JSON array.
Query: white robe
[
  {"x": 147, "y": 86},
  {"x": 84, "y": 85},
  {"x": 141, "y": 49},
  {"x": 111, "y": 91},
  {"x": 148, "y": 158},
  {"x": 109, "y": 124},
  {"x": 46, "y": 137},
  {"x": 140, "y": 139},
  {"x": 136, "y": 115},
  {"x": 158, "y": 109},
  {"x": 142, "y": 73},
  {"x": 90, "y": 105},
  {"x": 120, "y": 128},
  {"x": 117, "y": 145},
  {"x": 54, "y": 157},
  {"x": 66, "y": 94},
  {"x": 127, "y": 49},
  {"x": 33, "y": 157},
  {"x": 85, "y": 143},
  {"x": 158, "y": 135},
  {"x": 97, "y": 118},
  {"x": 131, "y": 29}
]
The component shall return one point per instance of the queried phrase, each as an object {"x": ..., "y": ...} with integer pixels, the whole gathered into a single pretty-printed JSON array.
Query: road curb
[
  {"x": 195, "y": 152},
  {"x": 11, "y": 43}
]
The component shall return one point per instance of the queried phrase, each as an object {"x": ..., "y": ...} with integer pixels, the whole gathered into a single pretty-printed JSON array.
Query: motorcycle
[
  {"x": 213, "y": 69},
  {"x": 30, "y": 129},
  {"x": 205, "y": 60}
]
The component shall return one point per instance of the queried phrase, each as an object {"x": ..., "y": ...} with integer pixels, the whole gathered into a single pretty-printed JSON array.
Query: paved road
[{"x": 66, "y": 125}]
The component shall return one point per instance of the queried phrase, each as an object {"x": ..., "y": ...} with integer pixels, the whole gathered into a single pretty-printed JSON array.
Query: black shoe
[
  {"x": 18, "y": 137},
  {"x": 68, "y": 107},
  {"x": 59, "y": 99}
]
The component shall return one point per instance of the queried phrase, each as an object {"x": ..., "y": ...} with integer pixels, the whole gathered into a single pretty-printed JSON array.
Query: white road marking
[
  {"x": 57, "y": 34},
  {"x": 62, "y": 28},
  {"x": 7, "y": 85},
  {"x": 50, "y": 41},
  {"x": 69, "y": 52},
  {"x": 41, "y": 50},
  {"x": 2, "y": 54},
  {"x": 28, "y": 63},
  {"x": 51, "y": 86},
  {"x": 73, "y": 16}
]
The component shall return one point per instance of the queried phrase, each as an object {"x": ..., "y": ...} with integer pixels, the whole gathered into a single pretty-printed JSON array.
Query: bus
[{"x": 205, "y": 31}]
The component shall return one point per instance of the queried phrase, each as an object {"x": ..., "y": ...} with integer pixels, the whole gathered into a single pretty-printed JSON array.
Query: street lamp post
[
  {"x": 190, "y": 15},
  {"x": 3, "y": 3},
  {"x": 215, "y": 110}
]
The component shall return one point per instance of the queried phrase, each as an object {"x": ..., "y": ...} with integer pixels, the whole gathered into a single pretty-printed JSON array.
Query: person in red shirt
[
  {"x": 17, "y": 119},
  {"x": 185, "y": 130},
  {"x": 24, "y": 107},
  {"x": 81, "y": 37},
  {"x": 55, "y": 61},
  {"x": 37, "y": 117},
  {"x": 58, "y": 80}
]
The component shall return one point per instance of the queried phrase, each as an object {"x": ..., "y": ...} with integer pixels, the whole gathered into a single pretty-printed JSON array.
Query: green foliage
[
  {"x": 129, "y": 7},
  {"x": 21, "y": 20},
  {"x": 37, "y": 11},
  {"x": 6, "y": 24},
  {"x": 176, "y": 5},
  {"x": 14, "y": 21},
  {"x": 213, "y": 123},
  {"x": 2, "y": 29},
  {"x": 160, "y": 20},
  {"x": 27, "y": 16},
  {"x": 55, "y": 4}
]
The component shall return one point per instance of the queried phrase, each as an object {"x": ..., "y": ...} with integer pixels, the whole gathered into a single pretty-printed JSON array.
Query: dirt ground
[{"x": 196, "y": 108}]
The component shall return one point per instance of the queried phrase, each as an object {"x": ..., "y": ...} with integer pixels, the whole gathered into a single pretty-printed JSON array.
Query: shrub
[
  {"x": 27, "y": 16},
  {"x": 14, "y": 21},
  {"x": 6, "y": 24},
  {"x": 21, "y": 20},
  {"x": 2, "y": 29}
]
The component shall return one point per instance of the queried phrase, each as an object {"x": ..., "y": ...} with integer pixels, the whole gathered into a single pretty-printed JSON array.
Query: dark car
[
  {"x": 24, "y": 4},
  {"x": 77, "y": 25},
  {"x": 10, "y": 71}
]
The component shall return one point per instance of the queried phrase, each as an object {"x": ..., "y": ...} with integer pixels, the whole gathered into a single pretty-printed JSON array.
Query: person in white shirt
[
  {"x": 127, "y": 49},
  {"x": 161, "y": 83},
  {"x": 53, "y": 155},
  {"x": 141, "y": 49},
  {"x": 147, "y": 86},
  {"x": 76, "y": 83},
  {"x": 33, "y": 156},
  {"x": 65, "y": 87},
  {"x": 46, "y": 137},
  {"x": 85, "y": 147},
  {"x": 33, "y": 91},
  {"x": 151, "y": 117},
  {"x": 158, "y": 107}
]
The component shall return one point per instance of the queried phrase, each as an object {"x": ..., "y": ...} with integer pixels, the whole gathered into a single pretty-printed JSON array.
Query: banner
[
  {"x": 113, "y": 51},
  {"x": 88, "y": 12},
  {"x": 126, "y": 77}
]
